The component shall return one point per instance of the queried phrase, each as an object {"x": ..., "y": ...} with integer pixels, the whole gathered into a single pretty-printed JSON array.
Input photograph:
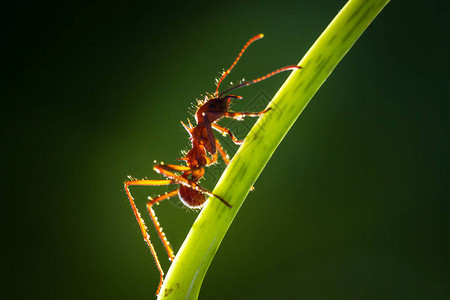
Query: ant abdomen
[{"x": 191, "y": 198}]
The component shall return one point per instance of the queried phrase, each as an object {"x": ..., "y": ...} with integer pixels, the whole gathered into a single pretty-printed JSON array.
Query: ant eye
[{"x": 212, "y": 105}]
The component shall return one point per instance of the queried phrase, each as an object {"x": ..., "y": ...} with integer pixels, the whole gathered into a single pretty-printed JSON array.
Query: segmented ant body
[{"x": 203, "y": 153}]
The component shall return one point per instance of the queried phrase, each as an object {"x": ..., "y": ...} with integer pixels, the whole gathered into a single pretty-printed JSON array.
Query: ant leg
[
  {"x": 176, "y": 168},
  {"x": 211, "y": 160},
  {"x": 210, "y": 145},
  {"x": 166, "y": 171},
  {"x": 224, "y": 155},
  {"x": 222, "y": 152},
  {"x": 158, "y": 227},
  {"x": 240, "y": 115},
  {"x": 140, "y": 220},
  {"x": 215, "y": 115},
  {"x": 226, "y": 131}
]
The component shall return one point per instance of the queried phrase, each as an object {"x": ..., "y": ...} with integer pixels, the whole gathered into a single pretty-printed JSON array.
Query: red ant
[{"x": 192, "y": 195}]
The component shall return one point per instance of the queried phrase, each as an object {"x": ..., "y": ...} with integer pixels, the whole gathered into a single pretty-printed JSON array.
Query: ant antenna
[
  {"x": 255, "y": 38},
  {"x": 261, "y": 78}
]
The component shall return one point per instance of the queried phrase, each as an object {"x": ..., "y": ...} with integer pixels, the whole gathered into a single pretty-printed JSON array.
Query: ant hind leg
[
  {"x": 158, "y": 227},
  {"x": 141, "y": 222}
]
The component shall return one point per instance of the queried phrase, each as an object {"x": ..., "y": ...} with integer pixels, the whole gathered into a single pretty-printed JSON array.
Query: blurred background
[{"x": 352, "y": 205}]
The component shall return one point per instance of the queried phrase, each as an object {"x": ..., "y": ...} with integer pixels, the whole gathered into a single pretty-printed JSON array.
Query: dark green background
[{"x": 352, "y": 205}]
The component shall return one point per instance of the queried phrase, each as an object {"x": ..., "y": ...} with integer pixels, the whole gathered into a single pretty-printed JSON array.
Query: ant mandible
[{"x": 202, "y": 154}]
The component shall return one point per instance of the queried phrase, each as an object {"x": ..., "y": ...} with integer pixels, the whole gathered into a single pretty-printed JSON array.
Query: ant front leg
[
  {"x": 210, "y": 117},
  {"x": 240, "y": 115},
  {"x": 141, "y": 222},
  {"x": 224, "y": 131}
]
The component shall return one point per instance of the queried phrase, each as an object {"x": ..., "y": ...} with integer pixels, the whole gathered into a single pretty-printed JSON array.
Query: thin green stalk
[{"x": 186, "y": 274}]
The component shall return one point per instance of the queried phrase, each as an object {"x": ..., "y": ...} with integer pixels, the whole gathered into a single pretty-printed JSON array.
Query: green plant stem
[{"x": 186, "y": 274}]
